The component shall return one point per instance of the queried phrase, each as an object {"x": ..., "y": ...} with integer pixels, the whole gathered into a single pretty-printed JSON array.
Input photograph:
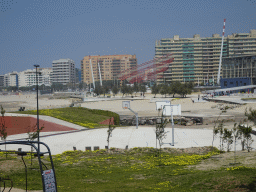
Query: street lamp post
[{"x": 37, "y": 112}]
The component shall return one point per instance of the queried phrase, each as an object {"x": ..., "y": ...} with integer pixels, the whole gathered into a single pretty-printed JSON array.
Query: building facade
[
  {"x": 10, "y": 79},
  {"x": 27, "y": 78},
  {"x": 78, "y": 75},
  {"x": 1, "y": 81},
  {"x": 235, "y": 82},
  {"x": 197, "y": 59},
  {"x": 239, "y": 66},
  {"x": 63, "y": 71},
  {"x": 110, "y": 66}
]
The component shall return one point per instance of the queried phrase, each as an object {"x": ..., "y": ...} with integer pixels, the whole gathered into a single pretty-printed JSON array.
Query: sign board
[
  {"x": 172, "y": 110},
  {"x": 49, "y": 181},
  {"x": 160, "y": 104}
]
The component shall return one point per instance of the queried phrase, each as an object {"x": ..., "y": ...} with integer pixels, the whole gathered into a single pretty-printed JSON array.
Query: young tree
[
  {"x": 191, "y": 85},
  {"x": 251, "y": 115},
  {"x": 164, "y": 89},
  {"x": 135, "y": 88},
  {"x": 175, "y": 88},
  {"x": 82, "y": 85},
  {"x": 105, "y": 89},
  {"x": 110, "y": 129},
  {"x": 215, "y": 132},
  {"x": 185, "y": 89},
  {"x": 98, "y": 90},
  {"x": 3, "y": 132},
  {"x": 221, "y": 131},
  {"x": 32, "y": 135},
  {"x": 160, "y": 133},
  {"x": 130, "y": 90},
  {"x": 227, "y": 137},
  {"x": 155, "y": 89},
  {"x": 246, "y": 138},
  {"x": 142, "y": 88},
  {"x": 241, "y": 130},
  {"x": 115, "y": 90},
  {"x": 236, "y": 135},
  {"x": 124, "y": 89}
]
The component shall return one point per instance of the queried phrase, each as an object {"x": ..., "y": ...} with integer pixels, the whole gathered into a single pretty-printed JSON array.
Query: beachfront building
[
  {"x": 63, "y": 71},
  {"x": 27, "y": 78},
  {"x": 238, "y": 71},
  {"x": 110, "y": 66},
  {"x": 197, "y": 59},
  {"x": 10, "y": 79}
]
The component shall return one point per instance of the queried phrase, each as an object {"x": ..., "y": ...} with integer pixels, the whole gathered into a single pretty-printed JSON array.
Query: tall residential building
[
  {"x": 63, "y": 71},
  {"x": 197, "y": 59},
  {"x": 27, "y": 78},
  {"x": 11, "y": 79},
  {"x": 110, "y": 66},
  {"x": 1, "y": 80}
]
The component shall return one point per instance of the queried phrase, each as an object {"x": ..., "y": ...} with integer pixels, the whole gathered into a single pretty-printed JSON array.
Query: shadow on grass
[{"x": 251, "y": 186}]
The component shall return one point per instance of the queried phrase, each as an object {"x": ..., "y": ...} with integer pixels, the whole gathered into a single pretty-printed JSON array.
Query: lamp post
[{"x": 37, "y": 112}]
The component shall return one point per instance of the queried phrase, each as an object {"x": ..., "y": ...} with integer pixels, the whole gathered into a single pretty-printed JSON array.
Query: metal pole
[
  {"x": 25, "y": 173},
  {"x": 37, "y": 112},
  {"x": 172, "y": 129},
  {"x": 136, "y": 115}
]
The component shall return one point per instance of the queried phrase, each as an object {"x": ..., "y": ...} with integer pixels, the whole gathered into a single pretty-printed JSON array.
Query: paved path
[{"x": 142, "y": 137}]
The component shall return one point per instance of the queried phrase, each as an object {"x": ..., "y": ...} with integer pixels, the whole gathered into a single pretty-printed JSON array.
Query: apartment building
[
  {"x": 197, "y": 59},
  {"x": 27, "y": 78},
  {"x": 110, "y": 66},
  {"x": 10, "y": 79},
  {"x": 63, "y": 71}
]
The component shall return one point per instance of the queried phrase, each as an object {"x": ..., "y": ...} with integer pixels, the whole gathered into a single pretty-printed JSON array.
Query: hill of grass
[{"x": 89, "y": 118}]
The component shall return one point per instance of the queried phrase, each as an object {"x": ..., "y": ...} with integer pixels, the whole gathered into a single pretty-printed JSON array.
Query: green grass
[
  {"x": 248, "y": 99},
  {"x": 78, "y": 115},
  {"x": 138, "y": 169}
]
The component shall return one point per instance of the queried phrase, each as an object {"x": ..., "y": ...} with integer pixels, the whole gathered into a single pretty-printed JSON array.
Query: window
[{"x": 225, "y": 83}]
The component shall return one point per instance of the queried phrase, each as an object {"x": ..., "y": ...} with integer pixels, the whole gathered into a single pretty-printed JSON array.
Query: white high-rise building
[{"x": 63, "y": 71}]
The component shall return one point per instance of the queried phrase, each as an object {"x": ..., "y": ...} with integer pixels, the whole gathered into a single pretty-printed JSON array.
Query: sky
[{"x": 40, "y": 31}]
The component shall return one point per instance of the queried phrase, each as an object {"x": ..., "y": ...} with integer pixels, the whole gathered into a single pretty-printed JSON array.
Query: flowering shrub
[{"x": 239, "y": 168}]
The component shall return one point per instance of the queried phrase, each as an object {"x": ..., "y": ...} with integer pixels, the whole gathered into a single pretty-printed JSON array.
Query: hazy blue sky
[{"x": 40, "y": 31}]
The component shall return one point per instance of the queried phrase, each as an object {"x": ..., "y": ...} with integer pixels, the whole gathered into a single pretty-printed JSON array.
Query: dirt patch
[
  {"x": 8, "y": 166},
  {"x": 225, "y": 160}
]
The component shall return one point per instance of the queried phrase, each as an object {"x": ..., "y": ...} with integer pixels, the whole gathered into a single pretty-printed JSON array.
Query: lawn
[
  {"x": 245, "y": 99},
  {"x": 137, "y": 169},
  {"x": 89, "y": 118}
]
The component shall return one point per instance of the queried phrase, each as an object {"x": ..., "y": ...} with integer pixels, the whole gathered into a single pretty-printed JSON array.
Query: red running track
[{"x": 18, "y": 125}]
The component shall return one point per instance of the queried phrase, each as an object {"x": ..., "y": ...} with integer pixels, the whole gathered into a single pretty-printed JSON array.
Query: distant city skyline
[{"x": 38, "y": 32}]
